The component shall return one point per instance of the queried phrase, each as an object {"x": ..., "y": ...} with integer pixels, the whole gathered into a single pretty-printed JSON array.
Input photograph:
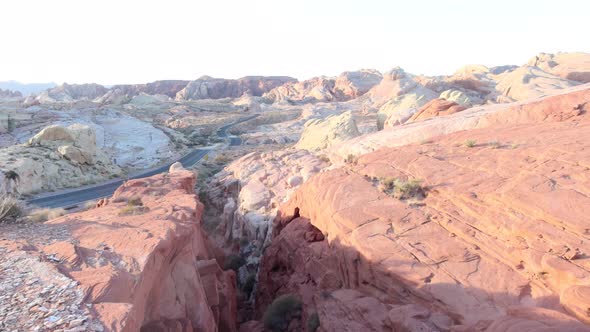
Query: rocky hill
[{"x": 215, "y": 88}]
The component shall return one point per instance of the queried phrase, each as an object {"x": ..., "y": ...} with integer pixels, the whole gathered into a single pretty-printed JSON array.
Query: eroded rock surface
[
  {"x": 499, "y": 242},
  {"x": 141, "y": 262},
  {"x": 321, "y": 134},
  {"x": 58, "y": 157}
]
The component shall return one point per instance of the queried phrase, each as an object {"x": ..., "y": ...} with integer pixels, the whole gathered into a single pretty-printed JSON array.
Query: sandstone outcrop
[
  {"x": 71, "y": 92},
  {"x": 167, "y": 87},
  {"x": 400, "y": 109},
  {"x": 436, "y": 107},
  {"x": 530, "y": 82},
  {"x": 460, "y": 97},
  {"x": 346, "y": 86},
  {"x": 58, "y": 157},
  {"x": 215, "y": 88},
  {"x": 353, "y": 84},
  {"x": 498, "y": 241},
  {"x": 249, "y": 191},
  {"x": 141, "y": 262},
  {"x": 321, "y": 134},
  {"x": 395, "y": 83},
  {"x": 571, "y": 66},
  {"x": 312, "y": 90},
  {"x": 566, "y": 104}
]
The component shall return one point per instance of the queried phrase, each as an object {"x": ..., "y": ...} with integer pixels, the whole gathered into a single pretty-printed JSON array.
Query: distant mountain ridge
[{"x": 26, "y": 88}]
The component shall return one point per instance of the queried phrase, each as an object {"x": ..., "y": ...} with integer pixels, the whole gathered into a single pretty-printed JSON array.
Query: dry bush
[
  {"x": 402, "y": 189},
  {"x": 42, "y": 215},
  {"x": 10, "y": 208},
  {"x": 130, "y": 210},
  {"x": 134, "y": 201},
  {"x": 470, "y": 143}
]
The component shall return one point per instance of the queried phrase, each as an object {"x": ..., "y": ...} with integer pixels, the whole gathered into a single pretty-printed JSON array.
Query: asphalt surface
[{"x": 72, "y": 198}]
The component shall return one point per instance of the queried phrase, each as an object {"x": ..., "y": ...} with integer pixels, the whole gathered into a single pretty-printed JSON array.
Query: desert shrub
[
  {"x": 351, "y": 159},
  {"x": 388, "y": 182},
  {"x": 408, "y": 189},
  {"x": 42, "y": 215},
  {"x": 222, "y": 159},
  {"x": 234, "y": 262},
  {"x": 131, "y": 210},
  {"x": 470, "y": 143},
  {"x": 313, "y": 322},
  {"x": 494, "y": 144},
  {"x": 324, "y": 158},
  {"x": 134, "y": 201},
  {"x": 89, "y": 205},
  {"x": 10, "y": 208},
  {"x": 280, "y": 312}
]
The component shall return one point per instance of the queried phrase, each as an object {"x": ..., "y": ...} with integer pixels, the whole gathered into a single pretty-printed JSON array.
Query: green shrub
[
  {"x": 234, "y": 262},
  {"x": 280, "y": 312},
  {"x": 313, "y": 322}
]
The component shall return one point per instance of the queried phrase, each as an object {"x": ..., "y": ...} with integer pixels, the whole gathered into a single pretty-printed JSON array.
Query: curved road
[{"x": 72, "y": 198}]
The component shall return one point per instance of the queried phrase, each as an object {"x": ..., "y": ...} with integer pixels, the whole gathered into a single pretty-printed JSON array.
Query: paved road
[{"x": 72, "y": 198}]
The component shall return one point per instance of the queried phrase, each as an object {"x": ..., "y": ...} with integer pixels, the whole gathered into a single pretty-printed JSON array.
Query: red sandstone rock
[
  {"x": 436, "y": 107},
  {"x": 147, "y": 264},
  {"x": 500, "y": 242}
]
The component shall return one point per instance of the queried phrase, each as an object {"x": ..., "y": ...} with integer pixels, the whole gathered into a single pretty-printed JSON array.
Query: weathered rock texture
[
  {"x": 71, "y": 92},
  {"x": 58, "y": 157},
  {"x": 499, "y": 243},
  {"x": 436, "y": 107},
  {"x": 566, "y": 104},
  {"x": 215, "y": 88},
  {"x": 321, "y": 134},
  {"x": 348, "y": 85},
  {"x": 142, "y": 260},
  {"x": 571, "y": 66}
]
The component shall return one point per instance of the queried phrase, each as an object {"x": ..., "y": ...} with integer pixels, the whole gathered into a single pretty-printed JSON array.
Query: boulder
[{"x": 76, "y": 155}]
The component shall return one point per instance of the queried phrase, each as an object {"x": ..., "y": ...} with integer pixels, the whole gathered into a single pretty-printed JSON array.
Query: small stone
[{"x": 76, "y": 323}]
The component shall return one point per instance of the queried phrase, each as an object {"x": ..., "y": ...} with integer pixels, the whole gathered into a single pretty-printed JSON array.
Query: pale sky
[{"x": 129, "y": 41}]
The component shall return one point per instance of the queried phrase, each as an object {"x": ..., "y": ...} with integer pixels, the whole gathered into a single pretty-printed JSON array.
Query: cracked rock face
[
  {"x": 130, "y": 266},
  {"x": 500, "y": 239}
]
